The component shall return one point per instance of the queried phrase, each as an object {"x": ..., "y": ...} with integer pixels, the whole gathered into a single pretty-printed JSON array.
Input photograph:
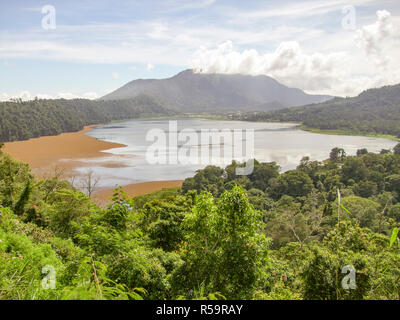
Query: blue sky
[{"x": 97, "y": 46}]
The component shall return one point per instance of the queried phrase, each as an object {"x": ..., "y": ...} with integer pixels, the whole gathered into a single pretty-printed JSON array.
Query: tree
[
  {"x": 355, "y": 169},
  {"x": 361, "y": 152},
  {"x": 365, "y": 189},
  {"x": 243, "y": 246},
  {"x": 309, "y": 167},
  {"x": 393, "y": 182},
  {"x": 14, "y": 177},
  {"x": 291, "y": 225},
  {"x": 394, "y": 212},
  {"x": 323, "y": 275},
  {"x": 396, "y": 149},
  {"x": 89, "y": 182},
  {"x": 385, "y": 151},
  {"x": 337, "y": 154},
  {"x": 262, "y": 173},
  {"x": 23, "y": 199},
  {"x": 209, "y": 179},
  {"x": 67, "y": 207},
  {"x": 364, "y": 211},
  {"x": 342, "y": 247},
  {"x": 162, "y": 221},
  {"x": 224, "y": 247},
  {"x": 294, "y": 183}
]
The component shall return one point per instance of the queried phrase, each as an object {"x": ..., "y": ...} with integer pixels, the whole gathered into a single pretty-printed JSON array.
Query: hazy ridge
[{"x": 198, "y": 92}]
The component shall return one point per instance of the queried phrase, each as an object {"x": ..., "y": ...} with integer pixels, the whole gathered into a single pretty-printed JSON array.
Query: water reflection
[{"x": 279, "y": 142}]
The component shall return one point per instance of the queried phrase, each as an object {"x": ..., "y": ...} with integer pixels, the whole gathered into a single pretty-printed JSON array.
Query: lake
[{"x": 280, "y": 142}]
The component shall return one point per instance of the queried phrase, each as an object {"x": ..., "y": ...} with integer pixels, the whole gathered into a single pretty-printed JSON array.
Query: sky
[{"x": 88, "y": 48}]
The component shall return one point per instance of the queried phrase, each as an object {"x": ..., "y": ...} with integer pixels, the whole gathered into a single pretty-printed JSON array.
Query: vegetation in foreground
[{"x": 263, "y": 236}]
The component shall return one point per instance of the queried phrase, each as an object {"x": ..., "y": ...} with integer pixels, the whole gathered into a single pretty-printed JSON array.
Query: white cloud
[
  {"x": 92, "y": 52},
  {"x": 149, "y": 66},
  {"x": 287, "y": 64},
  {"x": 4, "y": 97},
  {"x": 159, "y": 31},
  {"x": 375, "y": 38},
  {"x": 26, "y": 96},
  {"x": 115, "y": 75},
  {"x": 170, "y": 43},
  {"x": 324, "y": 58},
  {"x": 66, "y": 95},
  {"x": 90, "y": 95},
  {"x": 346, "y": 72}
]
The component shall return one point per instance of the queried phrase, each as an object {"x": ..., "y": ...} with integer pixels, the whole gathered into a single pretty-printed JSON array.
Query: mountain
[
  {"x": 197, "y": 92},
  {"x": 374, "y": 111}
]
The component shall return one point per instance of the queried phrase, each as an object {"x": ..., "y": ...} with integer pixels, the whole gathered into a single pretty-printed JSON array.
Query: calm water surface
[{"x": 279, "y": 142}]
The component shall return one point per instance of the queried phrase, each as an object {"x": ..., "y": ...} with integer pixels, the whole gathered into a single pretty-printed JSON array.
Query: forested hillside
[
  {"x": 24, "y": 120},
  {"x": 375, "y": 111},
  {"x": 265, "y": 236}
]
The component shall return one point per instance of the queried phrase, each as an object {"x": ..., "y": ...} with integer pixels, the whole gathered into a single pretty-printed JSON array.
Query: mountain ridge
[
  {"x": 373, "y": 111},
  {"x": 189, "y": 91}
]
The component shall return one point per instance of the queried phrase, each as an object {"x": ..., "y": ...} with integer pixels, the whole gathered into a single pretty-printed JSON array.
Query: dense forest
[
  {"x": 375, "y": 111},
  {"x": 21, "y": 120},
  {"x": 269, "y": 235}
]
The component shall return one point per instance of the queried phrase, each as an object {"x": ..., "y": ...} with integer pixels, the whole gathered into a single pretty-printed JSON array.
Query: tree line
[
  {"x": 375, "y": 111},
  {"x": 21, "y": 120}
]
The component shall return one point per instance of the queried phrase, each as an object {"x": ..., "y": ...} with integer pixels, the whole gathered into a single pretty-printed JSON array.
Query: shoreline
[
  {"x": 60, "y": 155},
  {"x": 300, "y": 126},
  {"x": 348, "y": 133},
  {"x": 102, "y": 195},
  {"x": 62, "y": 152}
]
